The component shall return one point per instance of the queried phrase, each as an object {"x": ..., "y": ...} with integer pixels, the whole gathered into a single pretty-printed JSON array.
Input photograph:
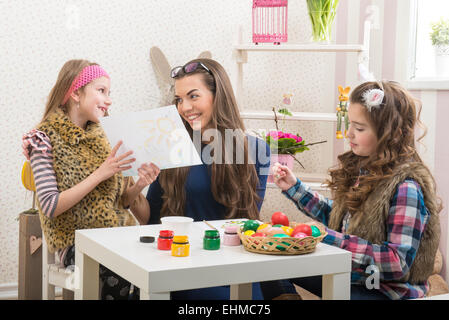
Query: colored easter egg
[
  {"x": 251, "y": 225},
  {"x": 278, "y": 225},
  {"x": 249, "y": 232},
  {"x": 304, "y": 228},
  {"x": 315, "y": 231},
  {"x": 264, "y": 227},
  {"x": 258, "y": 234},
  {"x": 274, "y": 231},
  {"x": 300, "y": 235},
  {"x": 280, "y": 218},
  {"x": 266, "y": 230},
  {"x": 288, "y": 230},
  {"x": 281, "y": 235}
]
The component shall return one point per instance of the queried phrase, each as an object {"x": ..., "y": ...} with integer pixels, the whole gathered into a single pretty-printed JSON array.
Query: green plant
[
  {"x": 282, "y": 142},
  {"x": 285, "y": 143},
  {"x": 322, "y": 14},
  {"x": 440, "y": 32}
]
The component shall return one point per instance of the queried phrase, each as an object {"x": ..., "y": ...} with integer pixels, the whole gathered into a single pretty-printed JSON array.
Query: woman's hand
[
  {"x": 114, "y": 164},
  {"x": 283, "y": 176},
  {"x": 141, "y": 209},
  {"x": 147, "y": 174}
]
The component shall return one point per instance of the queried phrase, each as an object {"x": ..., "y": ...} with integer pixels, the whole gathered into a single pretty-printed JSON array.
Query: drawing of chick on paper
[{"x": 156, "y": 135}]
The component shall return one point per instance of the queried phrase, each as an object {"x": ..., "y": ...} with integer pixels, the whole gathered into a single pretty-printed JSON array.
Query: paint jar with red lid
[{"x": 165, "y": 239}]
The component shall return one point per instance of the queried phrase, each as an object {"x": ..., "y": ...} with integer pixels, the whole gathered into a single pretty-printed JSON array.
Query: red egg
[
  {"x": 279, "y": 218},
  {"x": 258, "y": 234},
  {"x": 304, "y": 228}
]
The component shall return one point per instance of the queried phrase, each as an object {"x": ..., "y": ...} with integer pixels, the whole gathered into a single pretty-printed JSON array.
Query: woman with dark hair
[{"x": 232, "y": 179}]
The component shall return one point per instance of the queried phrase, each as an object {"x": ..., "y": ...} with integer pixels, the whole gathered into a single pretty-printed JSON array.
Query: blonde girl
[{"x": 78, "y": 177}]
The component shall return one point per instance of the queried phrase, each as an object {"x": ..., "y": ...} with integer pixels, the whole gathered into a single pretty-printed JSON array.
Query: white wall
[{"x": 37, "y": 37}]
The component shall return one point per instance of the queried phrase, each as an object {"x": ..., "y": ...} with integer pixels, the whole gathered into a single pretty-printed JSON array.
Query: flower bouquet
[
  {"x": 322, "y": 14},
  {"x": 284, "y": 145}
]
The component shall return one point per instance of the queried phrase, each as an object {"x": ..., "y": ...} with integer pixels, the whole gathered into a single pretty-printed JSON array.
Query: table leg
[
  {"x": 337, "y": 286},
  {"x": 87, "y": 281},
  {"x": 242, "y": 291},
  {"x": 154, "y": 296}
]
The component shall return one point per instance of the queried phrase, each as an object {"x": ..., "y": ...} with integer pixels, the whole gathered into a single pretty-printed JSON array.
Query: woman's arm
[
  {"x": 139, "y": 205},
  {"x": 262, "y": 153},
  {"x": 154, "y": 199},
  {"x": 133, "y": 196}
]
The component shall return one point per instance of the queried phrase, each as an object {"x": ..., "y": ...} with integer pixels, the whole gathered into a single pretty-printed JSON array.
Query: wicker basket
[{"x": 283, "y": 246}]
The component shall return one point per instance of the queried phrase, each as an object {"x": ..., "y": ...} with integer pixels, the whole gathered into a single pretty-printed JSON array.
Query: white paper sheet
[{"x": 156, "y": 135}]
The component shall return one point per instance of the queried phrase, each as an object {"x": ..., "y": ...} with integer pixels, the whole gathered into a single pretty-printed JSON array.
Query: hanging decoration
[{"x": 270, "y": 21}]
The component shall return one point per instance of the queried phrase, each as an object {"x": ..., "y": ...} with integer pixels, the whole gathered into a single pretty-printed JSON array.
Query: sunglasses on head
[{"x": 188, "y": 68}]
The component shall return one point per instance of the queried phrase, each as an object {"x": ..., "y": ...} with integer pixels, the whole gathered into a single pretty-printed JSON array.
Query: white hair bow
[{"x": 373, "y": 98}]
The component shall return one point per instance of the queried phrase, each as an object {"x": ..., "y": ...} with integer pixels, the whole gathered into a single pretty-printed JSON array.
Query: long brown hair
[
  {"x": 232, "y": 185},
  {"x": 65, "y": 78},
  {"x": 394, "y": 123}
]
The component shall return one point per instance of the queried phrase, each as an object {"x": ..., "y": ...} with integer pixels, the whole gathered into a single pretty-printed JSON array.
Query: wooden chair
[{"x": 52, "y": 274}]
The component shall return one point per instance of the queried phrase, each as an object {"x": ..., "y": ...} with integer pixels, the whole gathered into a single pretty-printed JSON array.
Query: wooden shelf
[
  {"x": 301, "y": 47},
  {"x": 304, "y": 116}
]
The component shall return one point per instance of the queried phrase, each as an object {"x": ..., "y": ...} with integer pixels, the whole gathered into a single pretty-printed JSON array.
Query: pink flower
[
  {"x": 279, "y": 134},
  {"x": 292, "y": 136},
  {"x": 276, "y": 134}
]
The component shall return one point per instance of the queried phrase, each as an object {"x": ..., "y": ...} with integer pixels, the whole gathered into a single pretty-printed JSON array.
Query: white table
[{"x": 157, "y": 273}]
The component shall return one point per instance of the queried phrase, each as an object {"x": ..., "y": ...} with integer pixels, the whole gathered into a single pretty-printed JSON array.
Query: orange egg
[
  {"x": 264, "y": 228},
  {"x": 275, "y": 230},
  {"x": 288, "y": 230}
]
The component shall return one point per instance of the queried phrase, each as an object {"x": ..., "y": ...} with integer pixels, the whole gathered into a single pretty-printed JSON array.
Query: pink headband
[{"x": 86, "y": 75}]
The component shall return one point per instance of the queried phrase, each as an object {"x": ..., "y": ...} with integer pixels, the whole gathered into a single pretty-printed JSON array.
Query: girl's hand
[
  {"x": 147, "y": 174},
  {"x": 114, "y": 164},
  {"x": 283, "y": 176}
]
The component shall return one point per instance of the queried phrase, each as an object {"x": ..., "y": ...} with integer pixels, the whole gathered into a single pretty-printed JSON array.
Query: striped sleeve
[
  {"x": 311, "y": 203},
  {"x": 406, "y": 222},
  {"x": 38, "y": 147}
]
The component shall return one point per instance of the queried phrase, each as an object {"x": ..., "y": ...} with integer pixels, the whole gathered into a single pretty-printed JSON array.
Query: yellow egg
[
  {"x": 249, "y": 232},
  {"x": 288, "y": 230},
  {"x": 263, "y": 226}
]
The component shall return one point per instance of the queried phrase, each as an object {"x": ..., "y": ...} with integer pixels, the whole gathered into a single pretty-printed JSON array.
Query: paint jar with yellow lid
[{"x": 180, "y": 246}]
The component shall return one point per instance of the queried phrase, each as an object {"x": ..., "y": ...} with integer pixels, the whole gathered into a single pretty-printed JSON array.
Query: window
[{"x": 427, "y": 65}]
